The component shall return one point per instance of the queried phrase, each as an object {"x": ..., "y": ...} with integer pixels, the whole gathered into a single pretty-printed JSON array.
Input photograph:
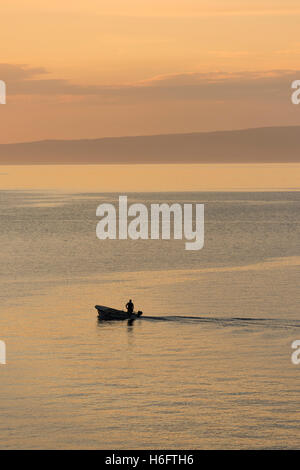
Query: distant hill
[{"x": 262, "y": 145}]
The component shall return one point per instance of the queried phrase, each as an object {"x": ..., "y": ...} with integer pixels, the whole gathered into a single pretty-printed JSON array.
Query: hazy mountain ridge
[{"x": 258, "y": 145}]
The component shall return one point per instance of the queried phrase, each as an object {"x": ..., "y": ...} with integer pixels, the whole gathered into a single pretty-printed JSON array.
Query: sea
[{"x": 208, "y": 365}]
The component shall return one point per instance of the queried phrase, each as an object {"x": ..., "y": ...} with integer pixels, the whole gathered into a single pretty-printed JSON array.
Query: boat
[{"x": 107, "y": 313}]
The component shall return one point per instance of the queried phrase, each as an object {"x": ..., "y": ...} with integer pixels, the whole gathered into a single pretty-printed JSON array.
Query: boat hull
[{"x": 107, "y": 313}]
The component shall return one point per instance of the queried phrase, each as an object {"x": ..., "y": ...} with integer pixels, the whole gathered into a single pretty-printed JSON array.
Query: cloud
[
  {"x": 23, "y": 80},
  {"x": 218, "y": 86},
  {"x": 18, "y": 72},
  {"x": 215, "y": 86}
]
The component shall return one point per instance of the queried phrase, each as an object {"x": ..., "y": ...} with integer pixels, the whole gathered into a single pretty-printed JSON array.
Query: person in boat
[{"x": 130, "y": 307}]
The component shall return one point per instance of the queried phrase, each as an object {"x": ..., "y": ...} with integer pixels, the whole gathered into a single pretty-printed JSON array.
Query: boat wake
[{"x": 228, "y": 321}]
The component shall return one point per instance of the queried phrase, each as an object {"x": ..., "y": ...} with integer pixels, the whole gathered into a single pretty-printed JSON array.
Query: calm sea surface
[{"x": 209, "y": 365}]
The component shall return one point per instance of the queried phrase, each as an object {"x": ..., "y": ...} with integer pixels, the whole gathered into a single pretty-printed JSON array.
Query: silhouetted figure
[{"x": 130, "y": 307}]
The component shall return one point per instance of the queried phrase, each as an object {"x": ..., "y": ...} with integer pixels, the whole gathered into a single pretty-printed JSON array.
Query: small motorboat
[{"x": 107, "y": 313}]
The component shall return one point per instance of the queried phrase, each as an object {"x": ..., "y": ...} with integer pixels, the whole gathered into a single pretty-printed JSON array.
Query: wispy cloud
[
  {"x": 22, "y": 79},
  {"x": 224, "y": 86}
]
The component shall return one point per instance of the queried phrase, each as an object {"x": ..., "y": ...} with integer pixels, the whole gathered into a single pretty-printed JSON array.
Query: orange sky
[{"x": 90, "y": 68}]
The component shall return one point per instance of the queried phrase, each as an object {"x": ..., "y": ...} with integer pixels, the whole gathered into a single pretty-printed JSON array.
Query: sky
[{"x": 92, "y": 68}]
